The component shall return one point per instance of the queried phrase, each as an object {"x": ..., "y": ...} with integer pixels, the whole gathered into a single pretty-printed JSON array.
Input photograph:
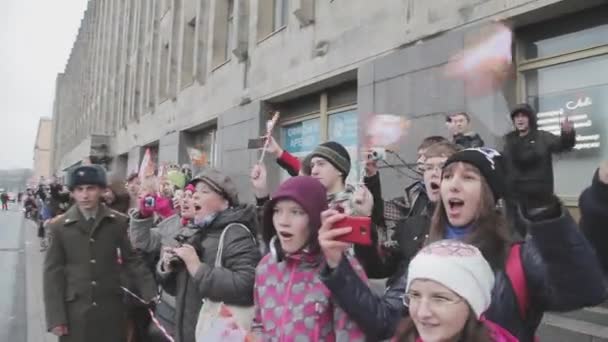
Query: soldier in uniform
[{"x": 89, "y": 253}]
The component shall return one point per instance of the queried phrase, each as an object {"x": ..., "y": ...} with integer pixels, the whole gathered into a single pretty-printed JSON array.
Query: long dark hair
[
  {"x": 490, "y": 230},
  {"x": 473, "y": 331}
]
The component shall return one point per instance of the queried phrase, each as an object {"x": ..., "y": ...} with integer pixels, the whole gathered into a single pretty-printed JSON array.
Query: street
[{"x": 13, "y": 320}]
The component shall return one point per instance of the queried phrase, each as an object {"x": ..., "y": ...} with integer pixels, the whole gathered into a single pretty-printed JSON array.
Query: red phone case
[{"x": 361, "y": 233}]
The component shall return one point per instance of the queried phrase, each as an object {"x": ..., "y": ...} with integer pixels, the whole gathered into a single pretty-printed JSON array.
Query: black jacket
[
  {"x": 593, "y": 204},
  {"x": 529, "y": 160},
  {"x": 232, "y": 283},
  {"x": 560, "y": 266},
  {"x": 468, "y": 140}
]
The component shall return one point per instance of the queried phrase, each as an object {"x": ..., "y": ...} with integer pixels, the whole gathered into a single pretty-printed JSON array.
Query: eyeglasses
[
  {"x": 435, "y": 302},
  {"x": 431, "y": 167}
]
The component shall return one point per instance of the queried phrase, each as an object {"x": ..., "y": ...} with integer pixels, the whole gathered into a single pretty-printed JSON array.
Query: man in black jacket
[
  {"x": 528, "y": 158},
  {"x": 463, "y": 135}
]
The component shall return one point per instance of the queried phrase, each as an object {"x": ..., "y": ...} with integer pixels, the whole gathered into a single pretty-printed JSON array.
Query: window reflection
[
  {"x": 584, "y": 39},
  {"x": 578, "y": 91}
]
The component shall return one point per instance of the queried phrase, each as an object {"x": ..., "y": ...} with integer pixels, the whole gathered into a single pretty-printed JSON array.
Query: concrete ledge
[{"x": 581, "y": 327}]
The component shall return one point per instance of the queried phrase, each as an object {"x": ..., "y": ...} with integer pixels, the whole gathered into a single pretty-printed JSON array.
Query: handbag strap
[{"x": 220, "y": 246}]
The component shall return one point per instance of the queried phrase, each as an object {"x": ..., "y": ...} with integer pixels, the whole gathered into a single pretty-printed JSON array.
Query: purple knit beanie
[{"x": 308, "y": 192}]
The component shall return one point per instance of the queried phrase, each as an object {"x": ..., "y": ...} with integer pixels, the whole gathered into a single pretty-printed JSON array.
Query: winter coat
[
  {"x": 231, "y": 284},
  {"x": 292, "y": 304},
  {"x": 468, "y": 140},
  {"x": 410, "y": 235},
  {"x": 413, "y": 203},
  {"x": 149, "y": 238},
  {"x": 593, "y": 204},
  {"x": 561, "y": 271},
  {"x": 529, "y": 159},
  {"x": 82, "y": 276}
]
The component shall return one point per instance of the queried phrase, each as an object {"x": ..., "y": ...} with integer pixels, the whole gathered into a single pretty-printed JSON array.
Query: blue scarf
[{"x": 457, "y": 233}]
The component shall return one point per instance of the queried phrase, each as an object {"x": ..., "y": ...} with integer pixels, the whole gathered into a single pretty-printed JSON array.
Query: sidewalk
[{"x": 36, "y": 326}]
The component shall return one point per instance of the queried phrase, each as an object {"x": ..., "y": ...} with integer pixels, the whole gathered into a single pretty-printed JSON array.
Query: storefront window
[
  {"x": 200, "y": 148},
  {"x": 319, "y": 117},
  {"x": 573, "y": 41},
  {"x": 343, "y": 129},
  {"x": 300, "y": 138},
  {"x": 577, "y": 90}
]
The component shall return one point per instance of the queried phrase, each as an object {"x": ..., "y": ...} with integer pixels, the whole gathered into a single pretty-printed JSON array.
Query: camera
[
  {"x": 149, "y": 202},
  {"x": 376, "y": 153},
  {"x": 175, "y": 262}
]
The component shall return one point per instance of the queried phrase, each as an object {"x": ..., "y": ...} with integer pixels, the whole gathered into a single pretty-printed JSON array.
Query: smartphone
[
  {"x": 362, "y": 230},
  {"x": 256, "y": 143}
]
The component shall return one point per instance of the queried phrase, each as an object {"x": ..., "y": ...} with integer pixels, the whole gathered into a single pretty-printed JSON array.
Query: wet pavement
[{"x": 13, "y": 321}]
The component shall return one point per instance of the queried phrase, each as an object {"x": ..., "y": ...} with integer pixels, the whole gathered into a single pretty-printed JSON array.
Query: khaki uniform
[{"x": 83, "y": 268}]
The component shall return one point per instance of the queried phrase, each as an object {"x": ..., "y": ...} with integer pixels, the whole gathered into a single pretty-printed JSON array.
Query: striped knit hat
[{"x": 335, "y": 154}]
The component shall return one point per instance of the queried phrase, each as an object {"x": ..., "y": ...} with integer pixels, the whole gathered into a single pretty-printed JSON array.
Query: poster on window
[
  {"x": 300, "y": 138},
  {"x": 343, "y": 128},
  {"x": 587, "y": 108}
]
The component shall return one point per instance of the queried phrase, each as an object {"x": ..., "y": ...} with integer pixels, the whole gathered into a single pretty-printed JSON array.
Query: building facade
[
  {"x": 172, "y": 75},
  {"x": 42, "y": 150}
]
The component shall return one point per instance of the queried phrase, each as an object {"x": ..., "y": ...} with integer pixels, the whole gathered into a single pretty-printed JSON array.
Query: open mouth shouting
[
  {"x": 433, "y": 190},
  {"x": 285, "y": 236},
  {"x": 434, "y": 186},
  {"x": 454, "y": 208}
]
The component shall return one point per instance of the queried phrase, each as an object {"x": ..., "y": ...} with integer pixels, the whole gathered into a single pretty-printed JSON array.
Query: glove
[
  {"x": 541, "y": 208},
  {"x": 163, "y": 207},
  {"x": 145, "y": 209}
]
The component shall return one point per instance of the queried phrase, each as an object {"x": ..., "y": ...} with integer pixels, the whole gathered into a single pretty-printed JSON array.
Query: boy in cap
[{"x": 88, "y": 251}]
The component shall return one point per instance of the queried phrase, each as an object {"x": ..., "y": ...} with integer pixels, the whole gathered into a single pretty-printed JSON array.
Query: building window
[
  {"x": 229, "y": 28},
  {"x": 223, "y": 30},
  {"x": 200, "y": 148},
  {"x": 272, "y": 16},
  {"x": 163, "y": 86},
  {"x": 281, "y": 14},
  {"x": 343, "y": 128},
  {"x": 165, "y": 6},
  {"x": 559, "y": 63},
  {"x": 188, "y": 49},
  {"x": 327, "y": 116}
]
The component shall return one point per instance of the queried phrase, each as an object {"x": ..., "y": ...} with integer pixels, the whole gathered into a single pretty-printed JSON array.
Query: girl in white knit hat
[{"x": 449, "y": 287}]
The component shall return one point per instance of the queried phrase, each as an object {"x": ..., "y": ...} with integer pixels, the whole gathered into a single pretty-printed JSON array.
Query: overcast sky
[{"x": 36, "y": 37}]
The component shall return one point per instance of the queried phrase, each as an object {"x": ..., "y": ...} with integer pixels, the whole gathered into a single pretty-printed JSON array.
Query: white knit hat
[{"x": 457, "y": 266}]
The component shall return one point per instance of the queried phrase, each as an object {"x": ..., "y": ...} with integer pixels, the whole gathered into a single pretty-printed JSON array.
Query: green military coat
[{"x": 83, "y": 269}]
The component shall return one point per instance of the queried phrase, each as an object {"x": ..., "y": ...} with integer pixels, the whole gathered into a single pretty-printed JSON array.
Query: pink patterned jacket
[{"x": 292, "y": 304}]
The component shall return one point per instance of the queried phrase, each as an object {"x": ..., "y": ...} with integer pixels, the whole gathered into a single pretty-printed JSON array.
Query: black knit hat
[
  {"x": 490, "y": 165},
  {"x": 334, "y": 153},
  {"x": 87, "y": 175}
]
